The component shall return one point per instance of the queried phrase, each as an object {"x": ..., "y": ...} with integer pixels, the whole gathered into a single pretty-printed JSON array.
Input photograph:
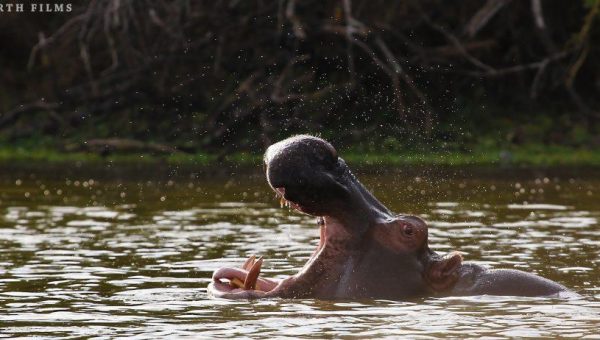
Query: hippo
[{"x": 365, "y": 250}]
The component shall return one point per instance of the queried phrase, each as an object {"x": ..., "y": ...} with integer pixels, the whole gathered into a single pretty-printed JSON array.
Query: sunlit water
[{"x": 114, "y": 252}]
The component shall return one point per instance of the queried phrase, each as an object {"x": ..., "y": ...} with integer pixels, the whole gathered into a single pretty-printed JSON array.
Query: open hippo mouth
[
  {"x": 240, "y": 280},
  {"x": 308, "y": 176}
]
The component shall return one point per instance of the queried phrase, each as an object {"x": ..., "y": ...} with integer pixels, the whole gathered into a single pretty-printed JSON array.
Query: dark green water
[{"x": 129, "y": 251}]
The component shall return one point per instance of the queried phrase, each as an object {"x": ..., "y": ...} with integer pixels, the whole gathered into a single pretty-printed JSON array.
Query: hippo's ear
[{"x": 442, "y": 273}]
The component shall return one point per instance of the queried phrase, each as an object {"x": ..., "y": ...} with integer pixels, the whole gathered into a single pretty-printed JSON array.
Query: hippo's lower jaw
[
  {"x": 241, "y": 281},
  {"x": 245, "y": 283}
]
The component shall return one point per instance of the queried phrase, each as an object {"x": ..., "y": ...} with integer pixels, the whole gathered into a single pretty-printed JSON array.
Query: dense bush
[{"x": 202, "y": 75}]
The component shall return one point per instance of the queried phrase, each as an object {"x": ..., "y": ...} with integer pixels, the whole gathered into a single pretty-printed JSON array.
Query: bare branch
[
  {"x": 409, "y": 81},
  {"x": 10, "y": 116},
  {"x": 390, "y": 72},
  {"x": 483, "y": 16},
  {"x": 459, "y": 46},
  {"x": 290, "y": 13},
  {"x": 520, "y": 68}
]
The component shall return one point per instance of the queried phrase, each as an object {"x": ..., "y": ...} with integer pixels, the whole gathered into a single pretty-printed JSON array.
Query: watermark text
[{"x": 35, "y": 7}]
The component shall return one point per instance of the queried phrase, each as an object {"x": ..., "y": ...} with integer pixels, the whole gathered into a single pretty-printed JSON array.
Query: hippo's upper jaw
[{"x": 307, "y": 174}]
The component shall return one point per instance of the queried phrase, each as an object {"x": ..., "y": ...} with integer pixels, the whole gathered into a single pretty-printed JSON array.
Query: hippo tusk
[
  {"x": 252, "y": 277},
  {"x": 237, "y": 282},
  {"x": 246, "y": 278},
  {"x": 249, "y": 262}
]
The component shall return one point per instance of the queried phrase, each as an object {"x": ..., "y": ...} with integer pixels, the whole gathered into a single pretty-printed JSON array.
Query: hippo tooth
[
  {"x": 249, "y": 262},
  {"x": 253, "y": 273},
  {"x": 282, "y": 202}
]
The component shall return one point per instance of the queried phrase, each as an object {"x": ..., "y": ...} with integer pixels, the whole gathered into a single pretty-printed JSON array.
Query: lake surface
[{"x": 116, "y": 251}]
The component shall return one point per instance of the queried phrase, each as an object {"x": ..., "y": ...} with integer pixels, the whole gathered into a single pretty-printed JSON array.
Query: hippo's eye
[{"x": 408, "y": 230}]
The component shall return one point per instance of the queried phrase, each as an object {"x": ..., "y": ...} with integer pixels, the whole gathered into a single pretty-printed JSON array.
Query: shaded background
[{"x": 225, "y": 76}]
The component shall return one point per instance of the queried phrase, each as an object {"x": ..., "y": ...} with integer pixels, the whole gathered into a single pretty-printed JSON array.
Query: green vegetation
[
  {"x": 528, "y": 155},
  {"x": 535, "y": 155}
]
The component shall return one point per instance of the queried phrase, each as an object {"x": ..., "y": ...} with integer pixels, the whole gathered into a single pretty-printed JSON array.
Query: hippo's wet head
[{"x": 307, "y": 174}]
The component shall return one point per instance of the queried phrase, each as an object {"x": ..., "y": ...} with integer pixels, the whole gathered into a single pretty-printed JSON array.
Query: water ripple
[{"x": 135, "y": 265}]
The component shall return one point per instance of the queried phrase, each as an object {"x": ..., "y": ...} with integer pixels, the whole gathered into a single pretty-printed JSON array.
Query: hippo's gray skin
[{"x": 365, "y": 251}]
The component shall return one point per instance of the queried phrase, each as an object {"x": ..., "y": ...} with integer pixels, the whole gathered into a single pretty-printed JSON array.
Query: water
[{"x": 118, "y": 251}]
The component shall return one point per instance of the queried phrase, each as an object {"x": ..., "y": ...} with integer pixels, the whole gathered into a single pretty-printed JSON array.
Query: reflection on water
[{"x": 85, "y": 256}]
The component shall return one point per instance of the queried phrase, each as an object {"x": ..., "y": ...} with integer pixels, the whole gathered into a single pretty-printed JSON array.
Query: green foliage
[
  {"x": 528, "y": 155},
  {"x": 590, "y": 3}
]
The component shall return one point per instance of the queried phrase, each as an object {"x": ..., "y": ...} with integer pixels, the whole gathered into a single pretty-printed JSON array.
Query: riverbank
[{"x": 529, "y": 155}]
